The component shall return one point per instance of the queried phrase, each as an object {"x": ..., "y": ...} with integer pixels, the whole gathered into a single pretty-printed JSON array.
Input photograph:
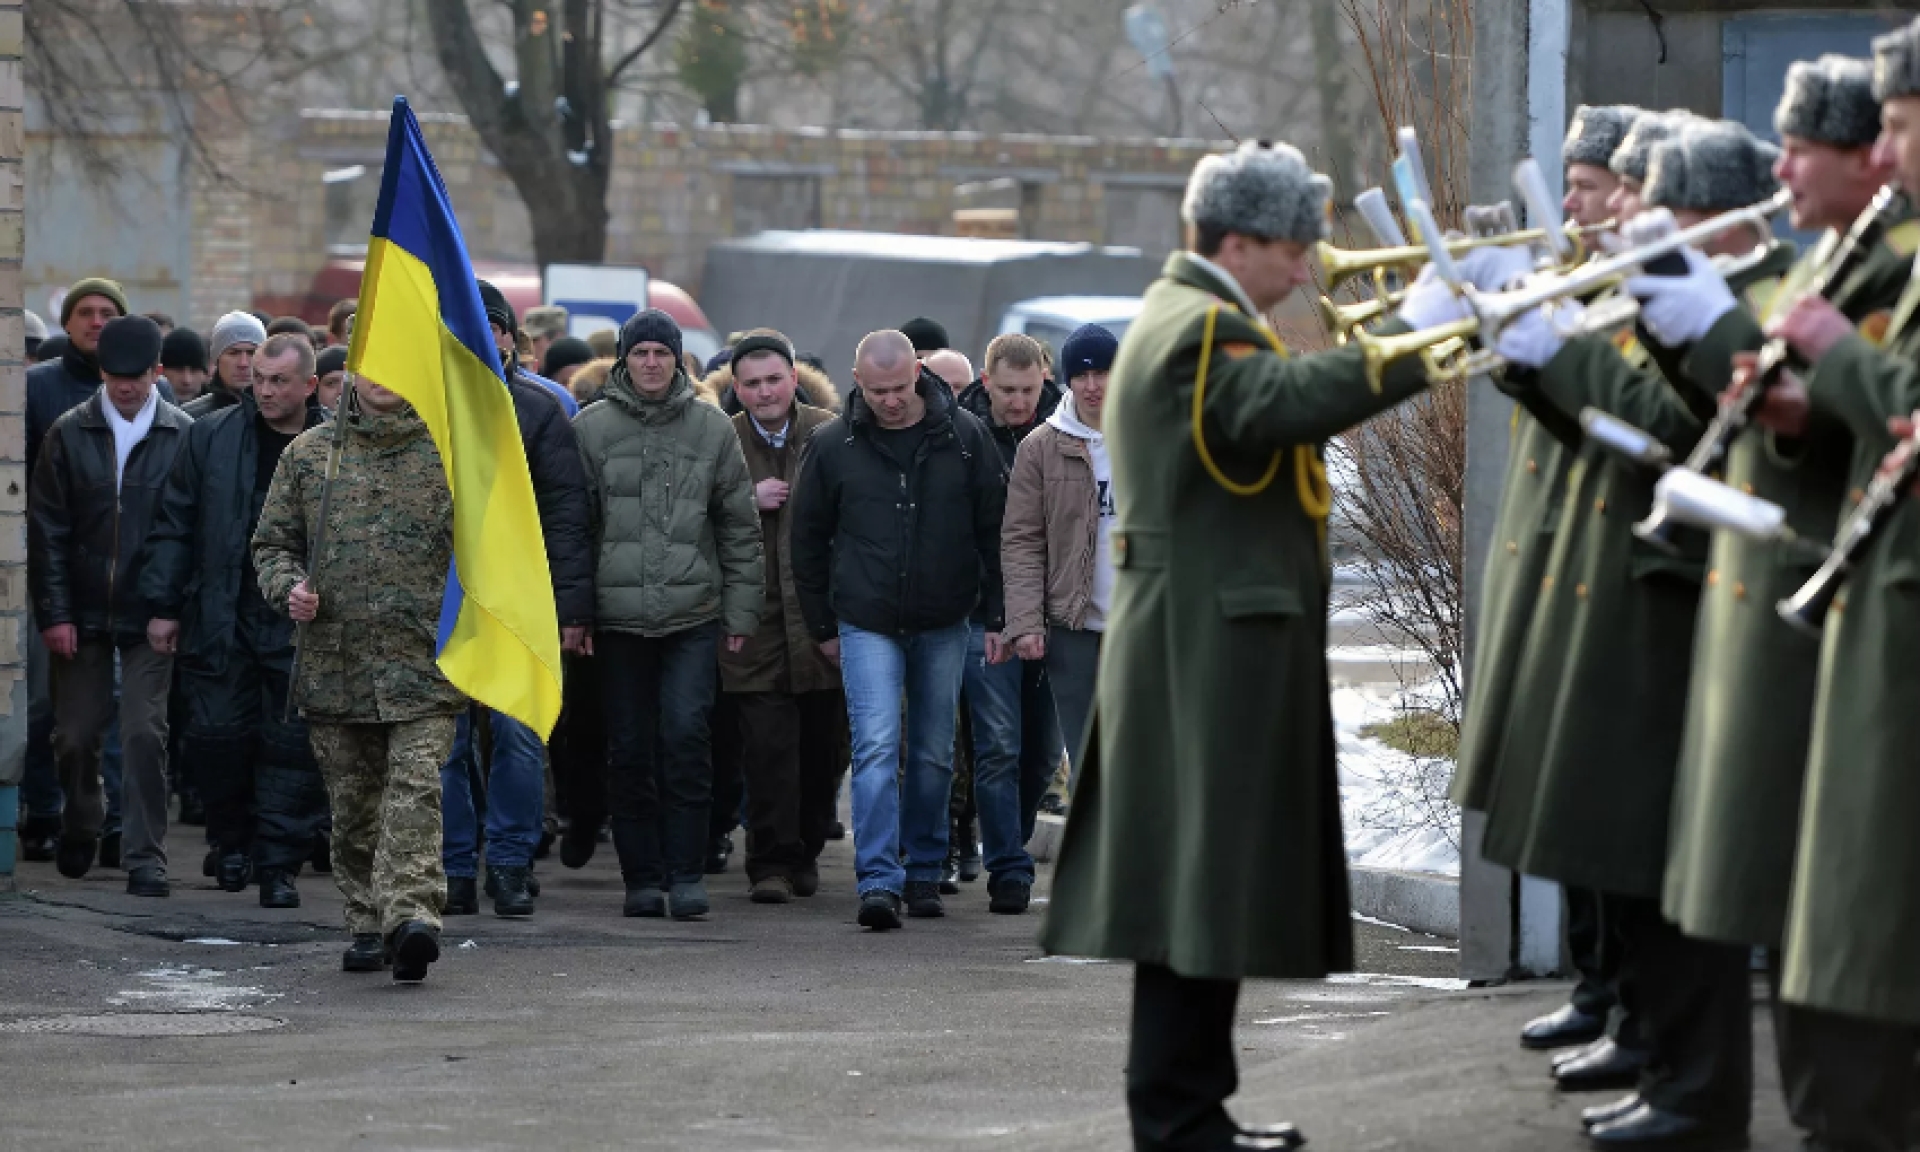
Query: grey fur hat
[
  {"x": 1636, "y": 147},
  {"x": 1259, "y": 189},
  {"x": 1711, "y": 165},
  {"x": 1896, "y": 63},
  {"x": 1830, "y": 101},
  {"x": 1596, "y": 131}
]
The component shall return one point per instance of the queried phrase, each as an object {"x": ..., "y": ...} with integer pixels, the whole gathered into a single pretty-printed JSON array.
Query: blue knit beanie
[{"x": 1091, "y": 348}]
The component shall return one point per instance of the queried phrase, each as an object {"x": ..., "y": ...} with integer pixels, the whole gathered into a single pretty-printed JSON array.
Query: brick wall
[
  {"x": 13, "y": 391},
  {"x": 674, "y": 191}
]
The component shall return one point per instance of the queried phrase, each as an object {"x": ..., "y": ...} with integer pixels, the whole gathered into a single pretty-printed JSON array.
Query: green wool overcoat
[
  {"x": 1736, "y": 799},
  {"x": 1205, "y": 833},
  {"x": 1586, "y": 770},
  {"x": 1543, "y": 446},
  {"x": 1853, "y": 924}
]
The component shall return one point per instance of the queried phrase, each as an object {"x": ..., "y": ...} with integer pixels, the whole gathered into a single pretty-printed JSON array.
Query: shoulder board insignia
[
  {"x": 1874, "y": 328},
  {"x": 1761, "y": 295},
  {"x": 1630, "y": 348},
  {"x": 1238, "y": 349},
  {"x": 1904, "y": 238}
]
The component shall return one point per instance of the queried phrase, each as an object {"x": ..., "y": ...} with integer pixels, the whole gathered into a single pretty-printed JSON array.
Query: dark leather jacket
[
  {"x": 83, "y": 536},
  {"x": 198, "y": 564}
]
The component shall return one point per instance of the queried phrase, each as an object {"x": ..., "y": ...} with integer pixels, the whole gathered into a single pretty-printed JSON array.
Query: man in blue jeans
[
  {"x": 513, "y": 797},
  {"x": 896, "y": 540}
]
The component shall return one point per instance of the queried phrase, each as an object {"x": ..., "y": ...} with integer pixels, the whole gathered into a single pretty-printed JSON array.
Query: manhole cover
[{"x": 146, "y": 1024}]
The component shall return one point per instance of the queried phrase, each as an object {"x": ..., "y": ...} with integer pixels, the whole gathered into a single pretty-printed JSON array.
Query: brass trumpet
[
  {"x": 1493, "y": 311},
  {"x": 1343, "y": 264}
]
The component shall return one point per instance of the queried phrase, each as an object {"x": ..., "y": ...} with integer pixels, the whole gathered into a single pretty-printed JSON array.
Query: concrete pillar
[
  {"x": 13, "y": 441},
  {"x": 1519, "y": 110}
]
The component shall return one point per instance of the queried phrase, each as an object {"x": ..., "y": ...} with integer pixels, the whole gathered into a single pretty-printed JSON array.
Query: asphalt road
[{"x": 762, "y": 1028}]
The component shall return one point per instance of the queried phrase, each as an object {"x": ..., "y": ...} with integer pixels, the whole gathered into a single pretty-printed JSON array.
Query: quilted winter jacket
[{"x": 675, "y": 531}]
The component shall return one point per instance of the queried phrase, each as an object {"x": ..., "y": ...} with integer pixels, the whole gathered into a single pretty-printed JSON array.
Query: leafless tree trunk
[{"x": 549, "y": 126}]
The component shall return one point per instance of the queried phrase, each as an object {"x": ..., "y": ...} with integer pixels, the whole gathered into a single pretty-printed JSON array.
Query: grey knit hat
[
  {"x": 1636, "y": 147},
  {"x": 1711, "y": 165},
  {"x": 1259, "y": 189},
  {"x": 234, "y": 328},
  {"x": 1596, "y": 131},
  {"x": 1896, "y": 63},
  {"x": 1830, "y": 101}
]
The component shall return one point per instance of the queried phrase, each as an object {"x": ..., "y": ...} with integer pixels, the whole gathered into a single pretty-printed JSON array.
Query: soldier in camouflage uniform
[{"x": 381, "y": 714}]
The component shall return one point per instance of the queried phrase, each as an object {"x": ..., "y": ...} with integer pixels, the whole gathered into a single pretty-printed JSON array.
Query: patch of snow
[
  {"x": 1382, "y": 979},
  {"x": 1393, "y": 804},
  {"x": 1428, "y": 948},
  {"x": 1365, "y": 919},
  {"x": 1067, "y": 960},
  {"x": 180, "y": 989},
  {"x": 219, "y": 940}
]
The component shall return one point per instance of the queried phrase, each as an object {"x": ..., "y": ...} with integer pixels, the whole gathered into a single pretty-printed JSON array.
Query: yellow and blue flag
[{"x": 421, "y": 332}]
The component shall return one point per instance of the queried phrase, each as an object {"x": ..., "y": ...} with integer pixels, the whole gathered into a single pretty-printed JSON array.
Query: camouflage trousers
[{"x": 384, "y": 782}]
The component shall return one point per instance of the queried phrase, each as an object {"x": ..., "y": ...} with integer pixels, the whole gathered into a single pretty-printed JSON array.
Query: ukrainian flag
[{"x": 422, "y": 332}]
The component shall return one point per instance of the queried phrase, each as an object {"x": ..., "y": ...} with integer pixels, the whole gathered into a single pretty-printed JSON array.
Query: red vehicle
[{"x": 340, "y": 280}]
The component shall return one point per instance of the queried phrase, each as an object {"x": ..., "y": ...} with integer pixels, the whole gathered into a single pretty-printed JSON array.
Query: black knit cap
[
  {"x": 927, "y": 335},
  {"x": 498, "y": 310},
  {"x": 129, "y": 346},
  {"x": 650, "y": 327},
  {"x": 763, "y": 340},
  {"x": 183, "y": 348},
  {"x": 564, "y": 352},
  {"x": 331, "y": 359}
]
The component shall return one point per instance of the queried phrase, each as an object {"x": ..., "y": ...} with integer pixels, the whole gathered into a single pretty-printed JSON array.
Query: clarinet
[
  {"x": 1776, "y": 356},
  {"x": 1807, "y": 609}
]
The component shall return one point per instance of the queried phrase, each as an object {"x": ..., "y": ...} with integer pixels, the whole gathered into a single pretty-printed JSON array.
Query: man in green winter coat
[
  {"x": 1850, "y": 978},
  {"x": 1544, "y": 443},
  {"x": 679, "y": 565},
  {"x": 1581, "y": 797},
  {"x": 1205, "y": 840}
]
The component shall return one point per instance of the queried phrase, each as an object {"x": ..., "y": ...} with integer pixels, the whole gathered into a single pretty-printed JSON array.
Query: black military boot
[
  {"x": 75, "y": 855},
  {"x": 277, "y": 890},
  {"x": 367, "y": 953},
  {"x": 511, "y": 900},
  {"x": 236, "y": 871},
  {"x": 110, "y": 849},
  {"x": 414, "y": 946},
  {"x": 462, "y": 899}
]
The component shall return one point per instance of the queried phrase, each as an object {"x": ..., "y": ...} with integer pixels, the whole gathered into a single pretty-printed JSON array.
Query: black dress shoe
[
  {"x": 1581, "y": 1053},
  {"x": 415, "y": 945},
  {"x": 236, "y": 871},
  {"x": 1009, "y": 896},
  {"x": 971, "y": 867},
  {"x": 1289, "y": 1135},
  {"x": 277, "y": 890},
  {"x": 75, "y": 855},
  {"x": 367, "y": 953},
  {"x": 110, "y": 849},
  {"x": 1607, "y": 1113},
  {"x": 1649, "y": 1127},
  {"x": 806, "y": 882},
  {"x": 1561, "y": 1028},
  {"x": 462, "y": 899},
  {"x": 148, "y": 880},
  {"x": 718, "y": 853},
  {"x": 836, "y": 831},
  {"x": 1610, "y": 1067}
]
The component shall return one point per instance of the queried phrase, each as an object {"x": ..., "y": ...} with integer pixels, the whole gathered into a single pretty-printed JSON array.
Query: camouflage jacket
[{"x": 369, "y": 655}]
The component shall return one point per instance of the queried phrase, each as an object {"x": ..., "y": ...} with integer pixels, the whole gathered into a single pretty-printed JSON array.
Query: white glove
[
  {"x": 1679, "y": 310},
  {"x": 1431, "y": 302},
  {"x": 1535, "y": 338},
  {"x": 1491, "y": 269}
]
